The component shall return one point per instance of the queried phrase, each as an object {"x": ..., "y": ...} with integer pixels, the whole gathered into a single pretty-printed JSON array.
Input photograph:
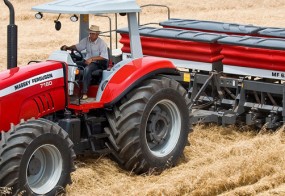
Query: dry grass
[{"x": 220, "y": 161}]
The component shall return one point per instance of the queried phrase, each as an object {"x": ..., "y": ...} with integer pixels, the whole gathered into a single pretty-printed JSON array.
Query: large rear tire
[
  {"x": 149, "y": 127},
  {"x": 36, "y": 158}
]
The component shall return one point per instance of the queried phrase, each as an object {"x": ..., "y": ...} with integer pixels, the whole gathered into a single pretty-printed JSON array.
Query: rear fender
[{"x": 129, "y": 73}]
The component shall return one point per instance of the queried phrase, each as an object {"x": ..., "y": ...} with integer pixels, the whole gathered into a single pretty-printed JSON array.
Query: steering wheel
[{"x": 76, "y": 55}]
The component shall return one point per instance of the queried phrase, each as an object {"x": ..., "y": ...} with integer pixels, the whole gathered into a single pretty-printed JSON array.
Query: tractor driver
[{"x": 96, "y": 57}]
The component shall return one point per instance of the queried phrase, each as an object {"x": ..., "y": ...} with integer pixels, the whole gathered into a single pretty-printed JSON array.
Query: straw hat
[{"x": 94, "y": 29}]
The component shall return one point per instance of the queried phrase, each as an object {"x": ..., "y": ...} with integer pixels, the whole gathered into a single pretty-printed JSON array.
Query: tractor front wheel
[
  {"x": 149, "y": 127},
  {"x": 36, "y": 158}
]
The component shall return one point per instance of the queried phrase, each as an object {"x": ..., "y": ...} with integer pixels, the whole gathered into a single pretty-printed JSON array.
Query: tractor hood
[
  {"x": 19, "y": 78},
  {"x": 88, "y": 6}
]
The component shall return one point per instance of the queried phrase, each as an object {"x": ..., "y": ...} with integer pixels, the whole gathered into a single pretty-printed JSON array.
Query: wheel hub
[
  {"x": 158, "y": 126},
  {"x": 44, "y": 169},
  {"x": 34, "y": 166},
  {"x": 163, "y": 128}
]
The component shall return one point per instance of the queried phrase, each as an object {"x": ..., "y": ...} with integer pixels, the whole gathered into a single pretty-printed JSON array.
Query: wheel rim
[
  {"x": 163, "y": 128},
  {"x": 44, "y": 169}
]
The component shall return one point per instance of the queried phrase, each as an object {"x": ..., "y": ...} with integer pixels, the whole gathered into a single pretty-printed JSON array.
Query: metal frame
[
  {"x": 154, "y": 5},
  {"x": 110, "y": 31},
  {"x": 223, "y": 99},
  {"x": 134, "y": 33}
]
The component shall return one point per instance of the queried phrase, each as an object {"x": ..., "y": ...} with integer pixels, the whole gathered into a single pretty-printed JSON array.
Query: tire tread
[
  {"x": 17, "y": 139},
  {"x": 124, "y": 133}
]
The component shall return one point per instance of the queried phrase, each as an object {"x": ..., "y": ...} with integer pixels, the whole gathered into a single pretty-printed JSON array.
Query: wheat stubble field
[{"x": 219, "y": 161}]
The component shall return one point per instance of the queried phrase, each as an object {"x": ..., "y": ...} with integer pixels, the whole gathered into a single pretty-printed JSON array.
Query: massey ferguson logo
[
  {"x": 43, "y": 80},
  {"x": 22, "y": 85},
  {"x": 34, "y": 80}
]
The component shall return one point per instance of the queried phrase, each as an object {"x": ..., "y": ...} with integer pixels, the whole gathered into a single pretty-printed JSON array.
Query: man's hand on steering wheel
[
  {"x": 75, "y": 54},
  {"x": 64, "y": 47}
]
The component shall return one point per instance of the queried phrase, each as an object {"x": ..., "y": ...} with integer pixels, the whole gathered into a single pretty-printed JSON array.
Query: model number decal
[{"x": 45, "y": 84}]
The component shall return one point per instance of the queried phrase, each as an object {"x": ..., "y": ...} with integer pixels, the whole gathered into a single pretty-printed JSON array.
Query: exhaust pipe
[{"x": 12, "y": 38}]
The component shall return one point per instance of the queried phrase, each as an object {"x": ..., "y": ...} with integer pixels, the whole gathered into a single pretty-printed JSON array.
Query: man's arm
[{"x": 94, "y": 58}]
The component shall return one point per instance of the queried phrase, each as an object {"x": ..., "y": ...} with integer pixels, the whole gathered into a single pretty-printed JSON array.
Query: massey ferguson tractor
[{"x": 136, "y": 112}]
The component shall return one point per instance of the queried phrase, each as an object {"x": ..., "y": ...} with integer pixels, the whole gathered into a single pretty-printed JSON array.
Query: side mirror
[{"x": 57, "y": 25}]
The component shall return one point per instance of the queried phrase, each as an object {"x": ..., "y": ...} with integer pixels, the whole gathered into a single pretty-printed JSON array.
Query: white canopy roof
[{"x": 88, "y": 6}]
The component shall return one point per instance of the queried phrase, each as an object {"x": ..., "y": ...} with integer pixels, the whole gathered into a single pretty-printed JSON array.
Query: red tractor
[{"x": 136, "y": 112}]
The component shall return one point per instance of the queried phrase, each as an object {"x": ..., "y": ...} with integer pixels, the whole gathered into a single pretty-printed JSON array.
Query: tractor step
[
  {"x": 93, "y": 124},
  {"x": 103, "y": 151},
  {"x": 99, "y": 136},
  {"x": 95, "y": 120}
]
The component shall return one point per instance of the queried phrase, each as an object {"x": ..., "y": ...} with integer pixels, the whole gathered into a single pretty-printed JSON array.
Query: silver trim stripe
[
  {"x": 248, "y": 71},
  {"x": 187, "y": 64},
  {"x": 55, "y": 74}
]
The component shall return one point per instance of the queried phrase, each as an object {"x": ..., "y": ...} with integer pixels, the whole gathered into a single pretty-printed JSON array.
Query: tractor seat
[
  {"x": 97, "y": 73},
  {"x": 97, "y": 76}
]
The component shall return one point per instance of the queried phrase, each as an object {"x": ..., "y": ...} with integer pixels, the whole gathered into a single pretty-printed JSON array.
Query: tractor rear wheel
[
  {"x": 36, "y": 158},
  {"x": 149, "y": 127}
]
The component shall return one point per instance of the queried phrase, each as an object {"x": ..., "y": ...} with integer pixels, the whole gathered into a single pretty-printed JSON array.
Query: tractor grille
[{"x": 44, "y": 103}]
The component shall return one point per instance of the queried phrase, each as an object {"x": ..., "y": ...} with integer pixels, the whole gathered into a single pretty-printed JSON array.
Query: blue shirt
[{"x": 93, "y": 49}]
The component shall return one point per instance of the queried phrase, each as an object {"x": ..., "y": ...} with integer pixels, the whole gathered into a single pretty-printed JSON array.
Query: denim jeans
[{"x": 87, "y": 73}]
